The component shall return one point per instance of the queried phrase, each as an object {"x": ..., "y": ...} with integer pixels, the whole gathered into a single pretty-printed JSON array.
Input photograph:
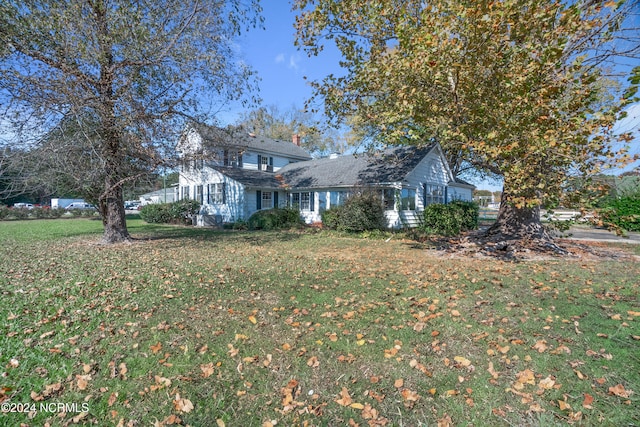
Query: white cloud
[
  {"x": 279, "y": 58},
  {"x": 293, "y": 62}
]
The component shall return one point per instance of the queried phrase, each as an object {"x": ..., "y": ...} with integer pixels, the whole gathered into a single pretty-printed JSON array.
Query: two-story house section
[{"x": 233, "y": 173}]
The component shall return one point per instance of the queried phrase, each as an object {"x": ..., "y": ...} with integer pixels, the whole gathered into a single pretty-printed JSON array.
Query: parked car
[
  {"x": 132, "y": 205},
  {"x": 80, "y": 205},
  {"x": 23, "y": 206}
]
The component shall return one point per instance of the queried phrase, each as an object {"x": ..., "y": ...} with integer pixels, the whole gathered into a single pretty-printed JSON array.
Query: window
[
  {"x": 267, "y": 200},
  {"x": 433, "y": 193},
  {"x": 184, "y": 192},
  {"x": 265, "y": 163},
  {"x": 199, "y": 197},
  {"x": 216, "y": 194},
  {"x": 295, "y": 200},
  {"x": 389, "y": 199},
  {"x": 304, "y": 200},
  {"x": 337, "y": 198},
  {"x": 233, "y": 158},
  {"x": 408, "y": 199}
]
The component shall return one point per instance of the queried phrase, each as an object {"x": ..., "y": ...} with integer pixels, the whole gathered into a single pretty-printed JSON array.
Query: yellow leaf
[
  {"x": 357, "y": 406},
  {"x": 253, "y": 319},
  {"x": 462, "y": 361},
  {"x": 563, "y": 405},
  {"x": 220, "y": 423}
]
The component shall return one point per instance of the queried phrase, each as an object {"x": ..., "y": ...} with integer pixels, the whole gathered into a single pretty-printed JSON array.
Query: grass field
[{"x": 203, "y": 328}]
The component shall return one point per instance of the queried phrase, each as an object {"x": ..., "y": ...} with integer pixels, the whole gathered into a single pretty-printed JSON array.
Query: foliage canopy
[
  {"x": 518, "y": 88},
  {"x": 125, "y": 74}
]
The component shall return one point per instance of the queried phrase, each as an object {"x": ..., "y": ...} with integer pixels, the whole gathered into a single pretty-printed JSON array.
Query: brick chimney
[{"x": 296, "y": 139}]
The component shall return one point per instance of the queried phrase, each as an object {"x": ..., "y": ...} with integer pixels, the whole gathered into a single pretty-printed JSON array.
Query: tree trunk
[
  {"x": 517, "y": 229},
  {"x": 113, "y": 215},
  {"x": 514, "y": 223}
]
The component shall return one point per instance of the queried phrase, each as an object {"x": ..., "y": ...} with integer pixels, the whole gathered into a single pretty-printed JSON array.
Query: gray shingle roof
[
  {"x": 217, "y": 137},
  {"x": 391, "y": 165},
  {"x": 252, "y": 178}
]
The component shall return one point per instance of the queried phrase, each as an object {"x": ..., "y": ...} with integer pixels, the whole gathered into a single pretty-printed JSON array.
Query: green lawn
[{"x": 204, "y": 328}]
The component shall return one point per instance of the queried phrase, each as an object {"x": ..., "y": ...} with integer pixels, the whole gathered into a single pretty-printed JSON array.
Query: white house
[{"x": 234, "y": 174}]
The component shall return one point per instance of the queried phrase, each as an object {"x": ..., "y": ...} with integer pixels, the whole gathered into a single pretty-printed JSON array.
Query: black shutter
[
  {"x": 259, "y": 162},
  {"x": 275, "y": 199},
  {"x": 226, "y": 158},
  {"x": 446, "y": 194},
  {"x": 312, "y": 200},
  {"x": 258, "y": 200},
  {"x": 224, "y": 193}
]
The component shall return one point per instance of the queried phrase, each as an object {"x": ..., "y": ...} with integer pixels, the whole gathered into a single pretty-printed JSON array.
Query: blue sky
[
  {"x": 280, "y": 65},
  {"x": 282, "y": 69}
]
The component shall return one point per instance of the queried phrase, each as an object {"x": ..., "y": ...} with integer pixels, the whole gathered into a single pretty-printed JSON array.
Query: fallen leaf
[
  {"x": 492, "y": 371},
  {"x": 540, "y": 346},
  {"x": 462, "y": 361},
  {"x": 563, "y": 405},
  {"x": 547, "y": 383},
  {"x": 313, "y": 362},
  {"x": 409, "y": 396},
  {"x": 156, "y": 348},
  {"x": 207, "y": 369},
  {"x": 253, "y": 319},
  {"x": 398, "y": 383},
  {"x": 182, "y": 405},
  {"x": 345, "y": 399},
  {"x": 588, "y": 400},
  {"x": 620, "y": 391},
  {"x": 112, "y": 399}
]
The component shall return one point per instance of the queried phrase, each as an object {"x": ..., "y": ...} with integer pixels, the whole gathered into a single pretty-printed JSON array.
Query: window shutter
[
  {"x": 226, "y": 158},
  {"x": 224, "y": 193},
  {"x": 446, "y": 195},
  {"x": 312, "y": 199},
  {"x": 240, "y": 154},
  {"x": 259, "y": 162},
  {"x": 424, "y": 195},
  {"x": 258, "y": 200},
  {"x": 275, "y": 199}
]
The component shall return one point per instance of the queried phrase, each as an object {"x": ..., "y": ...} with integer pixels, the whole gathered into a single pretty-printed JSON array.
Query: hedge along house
[{"x": 234, "y": 174}]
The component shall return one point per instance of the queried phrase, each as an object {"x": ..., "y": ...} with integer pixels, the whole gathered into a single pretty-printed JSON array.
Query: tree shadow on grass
[{"x": 150, "y": 232}]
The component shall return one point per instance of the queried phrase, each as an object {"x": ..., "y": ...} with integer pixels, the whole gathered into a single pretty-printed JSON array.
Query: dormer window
[
  {"x": 265, "y": 163},
  {"x": 233, "y": 158}
]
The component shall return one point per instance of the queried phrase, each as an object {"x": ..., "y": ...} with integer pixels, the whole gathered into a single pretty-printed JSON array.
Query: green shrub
[
  {"x": 169, "y": 213},
  {"x": 450, "y": 219},
  {"x": 5, "y": 212},
  {"x": 622, "y": 213},
  {"x": 275, "y": 219},
  {"x": 360, "y": 212}
]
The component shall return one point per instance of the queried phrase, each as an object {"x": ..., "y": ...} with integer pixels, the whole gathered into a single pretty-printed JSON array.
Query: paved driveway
[{"x": 600, "y": 235}]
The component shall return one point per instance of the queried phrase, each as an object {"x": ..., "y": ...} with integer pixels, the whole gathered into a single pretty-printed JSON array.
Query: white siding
[{"x": 431, "y": 170}]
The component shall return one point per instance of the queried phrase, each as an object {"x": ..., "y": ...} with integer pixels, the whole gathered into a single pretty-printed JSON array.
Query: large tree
[
  {"x": 516, "y": 88},
  {"x": 273, "y": 123},
  {"x": 121, "y": 76}
]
